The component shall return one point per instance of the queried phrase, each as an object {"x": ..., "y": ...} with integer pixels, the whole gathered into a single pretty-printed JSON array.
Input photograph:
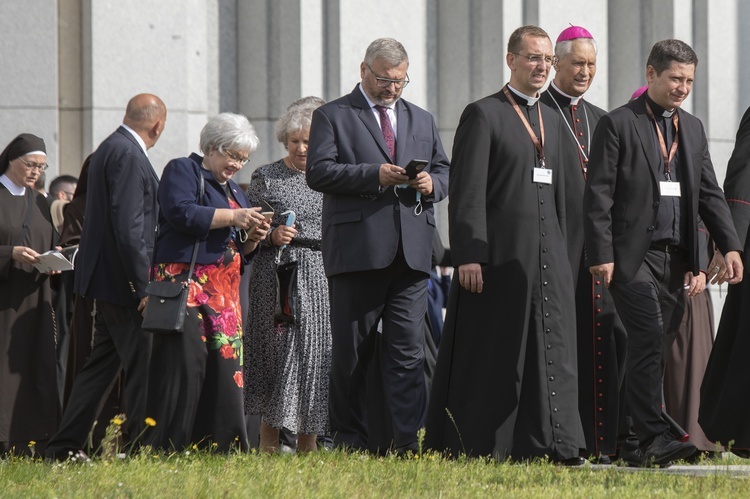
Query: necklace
[{"x": 294, "y": 167}]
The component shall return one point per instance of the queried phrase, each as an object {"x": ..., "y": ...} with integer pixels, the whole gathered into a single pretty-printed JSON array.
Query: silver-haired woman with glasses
[
  {"x": 195, "y": 378},
  {"x": 28, "y": 390}
]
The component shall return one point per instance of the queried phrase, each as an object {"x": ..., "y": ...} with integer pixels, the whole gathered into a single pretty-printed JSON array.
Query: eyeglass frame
[
  {"x": 235, "y": 159},
  {"x": 31, "y": 166},
  {"x": 399, "y": 84},
  {"x": 536, "y": 59}
]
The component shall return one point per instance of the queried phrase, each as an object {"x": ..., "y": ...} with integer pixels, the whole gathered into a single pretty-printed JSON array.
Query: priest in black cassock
[
  {"x": 505, "y": 382},
  {"x": 601, "y": 335}
]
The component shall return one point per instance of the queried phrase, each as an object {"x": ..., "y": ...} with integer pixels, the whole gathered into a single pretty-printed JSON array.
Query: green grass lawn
[{"x": 339, "y": 474}]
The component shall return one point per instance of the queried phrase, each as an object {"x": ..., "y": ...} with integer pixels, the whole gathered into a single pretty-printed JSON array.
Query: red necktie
[{"x": 388, "y": 135}]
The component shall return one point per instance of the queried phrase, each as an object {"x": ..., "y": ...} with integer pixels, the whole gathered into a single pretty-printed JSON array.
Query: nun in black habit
[{"x": 28, "y": 390}]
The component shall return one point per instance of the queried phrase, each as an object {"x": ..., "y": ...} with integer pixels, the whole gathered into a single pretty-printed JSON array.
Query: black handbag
[
  {"x": 286, "y": 293},
  {"x": 167, "y": 301}
]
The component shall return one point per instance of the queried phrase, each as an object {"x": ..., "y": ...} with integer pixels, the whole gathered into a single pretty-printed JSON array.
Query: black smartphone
[
  {"x": 414, "y": 167},
  {"x": 266, "y": 210}
]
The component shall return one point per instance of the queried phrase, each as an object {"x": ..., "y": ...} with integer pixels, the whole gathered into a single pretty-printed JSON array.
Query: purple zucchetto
[
  {"x": 639, "y": 92},
  {"x": 572, "y": 33}
]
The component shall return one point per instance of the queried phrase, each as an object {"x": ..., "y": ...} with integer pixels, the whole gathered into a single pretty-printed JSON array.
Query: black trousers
[
  {"x": 398, "y": 296},
  {"x": 119, "y": 343},
  {"x": 651, "y": 307}
]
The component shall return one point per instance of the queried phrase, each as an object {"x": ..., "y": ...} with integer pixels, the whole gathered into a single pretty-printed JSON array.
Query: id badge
[
  {"x": 542, "y": 176},
  {"x": 669, "y": 188}
]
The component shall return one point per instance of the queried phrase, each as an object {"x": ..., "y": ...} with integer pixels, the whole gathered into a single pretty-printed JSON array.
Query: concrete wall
[{"x": 69, "y": 66}]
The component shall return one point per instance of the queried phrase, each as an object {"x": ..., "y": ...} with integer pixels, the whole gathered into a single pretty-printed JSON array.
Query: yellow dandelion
[
  {"x": 150, "y": 421},
  {"x": 116, "y": 421},
  {"x": 32, "y": 443},
  {"x": 195, "y": 446},
  {"x": 214, "y": 445}
]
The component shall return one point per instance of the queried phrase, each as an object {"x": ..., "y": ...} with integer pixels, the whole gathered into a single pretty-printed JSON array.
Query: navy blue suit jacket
[
  {"x": 182, "y": 219},
  {"x": 120, "y": 223},
  {"x": 362, "y": 225}
]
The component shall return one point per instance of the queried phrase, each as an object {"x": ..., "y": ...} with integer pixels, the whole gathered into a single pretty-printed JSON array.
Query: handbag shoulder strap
[
  {"x": 197, "y": 239},
  {"x": 201, "y": 193}
]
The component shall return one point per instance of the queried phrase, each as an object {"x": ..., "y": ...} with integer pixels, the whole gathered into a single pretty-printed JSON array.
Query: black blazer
[
  {"x": 362, "y": 225},
  {"x": 621, "y": 197},
  {"x": 119, "y": 224}
]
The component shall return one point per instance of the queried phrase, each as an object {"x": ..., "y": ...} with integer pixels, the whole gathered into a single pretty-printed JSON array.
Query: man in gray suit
[
  {"x": 112, "y": 267},
  {"x": 378, "y": 226}
]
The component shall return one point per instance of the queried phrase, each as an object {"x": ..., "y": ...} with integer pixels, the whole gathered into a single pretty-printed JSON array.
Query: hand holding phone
[{"x": 414, "y": 167}]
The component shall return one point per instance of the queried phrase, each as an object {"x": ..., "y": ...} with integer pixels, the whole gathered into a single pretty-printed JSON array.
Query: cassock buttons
[
  {"x": 544, "y": 250},
  {"x": 548, "y": 331},
  {"x": 554, "y": 409},
  {"x": 544, "y": 234},
  {"x": 578, "y": 120},
  {"x": 598, "y": 282},
  {"x": 545, "y": 265},
  {"x": 552, "y": 378},
  {"x": 546, "y": 298},
  {"x": 580, "y": 134},
  {"x": 544, "y": 283},
  {"x": 541, "y": 201},
  {"x": 549, "y": 363},
  {"x": 542, "y": 217},
  {"x": 546, "y": 314},
  {"x": 559, "y": 440},
  {"x": 598, "y": 297},
  {"x": 554, "y": 393},
  {"x": 549, "y": 347},
  {"x": 557, "y": 425}
]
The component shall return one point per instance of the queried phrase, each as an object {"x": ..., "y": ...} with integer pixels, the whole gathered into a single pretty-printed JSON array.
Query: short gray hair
[
  {"x": 563, "y": 48},
  {"x": 387, "y": 49},
  {"x": 298, "y": 116},
  {"x": 228, "y": 132}
]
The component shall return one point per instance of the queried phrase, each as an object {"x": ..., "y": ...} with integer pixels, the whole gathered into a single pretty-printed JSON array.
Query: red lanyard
[
  {"x": 537, "y": 143},
  {"x": 667, "y": 157}
]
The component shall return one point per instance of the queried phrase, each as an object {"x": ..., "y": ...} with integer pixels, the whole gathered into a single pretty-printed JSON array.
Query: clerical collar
[
  {"x": 573, "y": 100},
  {"x": 530, "y": 101},
  {"x": 14, "y": 189},
  {"x": 657, "y": 109}
]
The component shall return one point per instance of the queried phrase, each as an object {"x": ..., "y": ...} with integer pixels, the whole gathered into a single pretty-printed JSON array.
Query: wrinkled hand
[
  {"x": 247, "y": 218},
  {"x": 392, "y": 175},
  {"x": 22, "y": 254},
  {"x": 470, "y": 277},
  {"x": 734, "y": 268},
  {"x": 283, "y": 235},
  {"x": 260, "y": 232},
  {"x": 717, "y": 269},
  {"x": 694, "y": 284},
  {"x": 422, "y": 183},
  {"x": 605, "y": 271}
]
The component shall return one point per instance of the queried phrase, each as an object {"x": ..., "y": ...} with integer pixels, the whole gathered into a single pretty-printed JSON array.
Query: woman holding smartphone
[{"x": 287, "y": 364}]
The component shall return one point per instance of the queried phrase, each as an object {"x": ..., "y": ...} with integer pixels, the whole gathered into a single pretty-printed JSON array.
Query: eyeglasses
[
  {"x": 386, "y": 82},
  {"x": 237, "y": 160},
  {"x": 31, "y": 166},
  {"x": 537, "y": 59}
]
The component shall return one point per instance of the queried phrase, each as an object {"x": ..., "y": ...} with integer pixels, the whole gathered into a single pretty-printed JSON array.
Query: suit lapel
[
  {"x": 645, "y": 130},
  {"x": 403, "y": 125},
  {"x": 368, "y": 119}
]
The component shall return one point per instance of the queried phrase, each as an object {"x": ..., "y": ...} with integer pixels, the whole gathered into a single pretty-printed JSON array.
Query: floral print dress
[{"x": 201, "y": 394}]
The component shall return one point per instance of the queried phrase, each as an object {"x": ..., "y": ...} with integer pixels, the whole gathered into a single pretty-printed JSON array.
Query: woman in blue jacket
[{"x": 195, "y": 378}]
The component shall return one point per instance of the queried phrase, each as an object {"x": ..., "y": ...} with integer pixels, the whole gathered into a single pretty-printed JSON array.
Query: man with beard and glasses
[{"x": 378, "y": 226}]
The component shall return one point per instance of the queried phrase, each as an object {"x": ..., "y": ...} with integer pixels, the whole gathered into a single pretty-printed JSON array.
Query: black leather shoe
[
  {"x": 743, "y": 453},
  {"x": 664, "y": 449}
]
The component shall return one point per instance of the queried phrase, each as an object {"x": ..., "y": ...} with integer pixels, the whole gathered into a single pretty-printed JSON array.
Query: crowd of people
[{"x": 577, "y": 326}]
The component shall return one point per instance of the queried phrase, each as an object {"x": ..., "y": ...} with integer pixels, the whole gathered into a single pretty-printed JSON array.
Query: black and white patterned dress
[{"x": 287, "y": 366}]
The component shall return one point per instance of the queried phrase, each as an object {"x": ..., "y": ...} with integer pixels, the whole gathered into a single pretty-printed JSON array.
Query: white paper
[{"x": 54, "y": 260}]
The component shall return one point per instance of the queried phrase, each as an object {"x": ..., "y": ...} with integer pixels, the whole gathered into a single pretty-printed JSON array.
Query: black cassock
[
  {"x": 28, "y": 383},
  {"x": 725, "y": 406},
  {"x": 601, "y": 335},
  {"x": 505, "y": 382}
]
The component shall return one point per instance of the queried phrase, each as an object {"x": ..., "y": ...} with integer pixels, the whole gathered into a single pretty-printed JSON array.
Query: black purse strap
[
  {"x": 27, "y": 220},
  {"x": 197, "y": 239}
]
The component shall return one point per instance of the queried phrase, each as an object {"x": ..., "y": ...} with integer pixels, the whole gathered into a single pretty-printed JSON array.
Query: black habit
[
  {"x": 601, "y": 335},
  {"x": 505, "y": 382},
  {"x": 28, "y": 388},
  {"x": 725, "y": 407}
]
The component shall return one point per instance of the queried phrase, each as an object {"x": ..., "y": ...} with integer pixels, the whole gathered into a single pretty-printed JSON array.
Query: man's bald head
[{"x": 146, "y": 114}]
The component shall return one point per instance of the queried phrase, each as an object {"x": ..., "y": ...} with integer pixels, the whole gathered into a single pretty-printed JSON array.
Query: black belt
[{"x": 665, "y": 247}]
